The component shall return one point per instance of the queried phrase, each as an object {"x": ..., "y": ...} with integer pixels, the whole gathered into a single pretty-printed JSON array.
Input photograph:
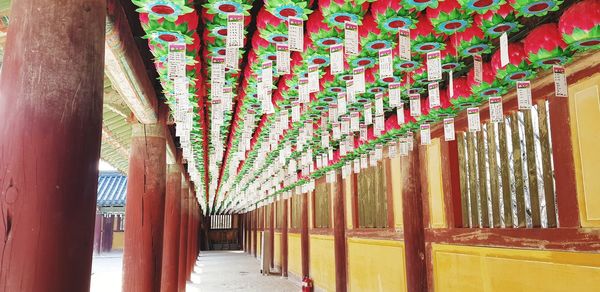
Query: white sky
[{"x": 104, "y": 166}]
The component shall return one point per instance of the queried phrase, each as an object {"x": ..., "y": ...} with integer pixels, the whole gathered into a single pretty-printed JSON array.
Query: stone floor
[
  {"x": 215, "y": 271},
  {"x": 234, "y": 271}
]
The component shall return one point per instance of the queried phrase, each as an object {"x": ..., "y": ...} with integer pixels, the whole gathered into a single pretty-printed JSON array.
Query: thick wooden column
[
  {"x": 284, "y": 239},
  {"x": 98, "y": 234},
  {"x": 190, "y": 235},
  {"x": 414, "y": 234},
  {"x": 51, "y": 90},
  {"x": 183, "y": 226},
  {"x": 339, "y": 236},
  {"x": 255, "y": 232},
  {"x": 272, "y": 234},
  {"x": 170, "y": 264},
  {"x": 304, "y": 248},
  {"x": 145, "y": 208}
]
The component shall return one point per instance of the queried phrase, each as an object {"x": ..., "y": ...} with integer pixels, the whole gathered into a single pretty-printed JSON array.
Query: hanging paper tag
[
  {"x": 345, "y": 125},
  {"x": 496, "y": 114},
  {"x": 176, "y": 60},
  {"x": 368, "y": 114},
  {"x": 524, "y": 95},
  {"x": 363, "y": 133},
  {"x": 392, "y": 150},
  {"x": 394, "y": 93},
  {"x": 356, "y": 165},
  {"x": 217, "y": 113},
  {"x": 284, "y": 120},
  {"x": 364, "y": 161},
  {"x": 350, "y": 92},
  {"x": 217, "y": 72},
  {"x": 379, "y": 104},
  {"x": 303, "y": 94},
  {"x": 313, "y": 78},
  {"x": 325, "y": 139},
  {"x": 333, "y": 112},
  {"x": 354, "y": 121},
  {"x": 341, "y": 103},
  {"x": 235, "y": 30},
  {"x": 351, "y": 38},
  {"x": 296, "y": 34},
  {"x": 378, "y": 152},
  {"x": 267, "y": 74},
  {"x": 449, "y": 129},
  {"x": 415, "y": 104},
  {"x": 400, "y": 114},
  {"x": 216, "y": 90},
  {"x": 295, "y": 112},
  {"x": 379, "y": 125},
  {"x": 283, "y": 59},
  {"x": 336, "y": 57},
  {"x": 359, "y": 79},
  {"x": 451, "y": 84},
  {"x": 425, "y": 134},
  {"x": 434, "y": 66},
  {"x": 403, "y": 146},
  {"x": 473, "y": 119},
  {"x": 409, "y": 139},
  {"x": 336, "y": 131},
  {"x": 385, "y": 63},
  {"x": 504, "y": 49},
  {"x": 433, "y": 90},
  {"x": 372, "y": 158},
  {"x": 227, "y": 91},
  {"x": 478, "y": 68},
  {"x": 404, "y": 44},
  {"x": 231, "y": 58},
  {"x": 560, "y": 81}
]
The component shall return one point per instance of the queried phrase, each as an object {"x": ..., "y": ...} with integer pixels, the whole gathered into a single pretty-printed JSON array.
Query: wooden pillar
[
  {"x": 564, "y": 166},
  {"x": 272, "y": 234},
  {"x": 183, "y": 233},
  {"x": 190, "y": 234},
  {"x": 51, "y": 90},
  {"x": 255, "y": 232},
  {"x": 339, "y": 236},
  {"x": 145, "y": 208},
  {"x": 304, "y": 248},
  {"x": 284, "y": 239},
  {"x": 170, "y": 263},
  {"x": 107, "y": 233},
  {"x": 414, "y": 234},
  {"x": 98, "y": 233}
]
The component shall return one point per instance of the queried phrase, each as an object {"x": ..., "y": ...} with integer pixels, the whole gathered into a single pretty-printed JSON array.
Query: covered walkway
[{"x": 234, "y": 271}]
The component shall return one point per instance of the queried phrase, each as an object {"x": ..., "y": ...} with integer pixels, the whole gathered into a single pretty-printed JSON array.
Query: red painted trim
[
  {"x": 450, "y": 185},
  {"x": 423, "y": 179},
  {"x": 564, "y": 239},
  {"x": 304, "y": 248},
  {"x": 339, "y": 237},
  {"x": 284, "y": 239},
  {"x": 354, "y": 201}
]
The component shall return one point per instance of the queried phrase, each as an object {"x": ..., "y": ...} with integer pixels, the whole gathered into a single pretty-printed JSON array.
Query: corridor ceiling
[{"x": 271, "y": 136}]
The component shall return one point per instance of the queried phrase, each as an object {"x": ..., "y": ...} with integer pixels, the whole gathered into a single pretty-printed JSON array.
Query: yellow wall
[
  {"x": 376, "y": 265},
  {"x": 396, "y": 173},
  {"x": 585, "y": 125},
  {"x": 258, "y": 243},
  {"x": 322, "y": 261},
  {"x": 436, "y": 193},
  {"x": 277, "y": 249},
  {"x": 294, "y": 254},
  {"x": 466, "y": 268},
  {"x": 117, "y": 242}
]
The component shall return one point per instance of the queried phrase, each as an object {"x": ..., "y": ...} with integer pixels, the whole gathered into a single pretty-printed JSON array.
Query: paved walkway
[
  {"x": 106, "y": 272},
  {"x": 234, "y": 271}
]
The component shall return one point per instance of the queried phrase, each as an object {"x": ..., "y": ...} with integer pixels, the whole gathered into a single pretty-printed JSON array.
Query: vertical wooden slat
[
  {"x": 482, "y": 168},
  {"x": 463, "y": 178},
  {"x": 532, "y": 170},
  {"x": 518, "y": 169},
  {"x": 380, "y": 197},
  {"x": 389, "y": 194},
  {"x": 493, "y": 160},
  {"x": 547, "y": 164},
  {"x": 508, "y": 219},
  {"x": 361, "y": 197},
  {"x": 472, "y": 179}
]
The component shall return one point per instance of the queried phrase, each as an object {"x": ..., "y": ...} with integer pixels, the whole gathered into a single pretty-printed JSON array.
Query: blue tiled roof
[{"x": 112, "y": 189}]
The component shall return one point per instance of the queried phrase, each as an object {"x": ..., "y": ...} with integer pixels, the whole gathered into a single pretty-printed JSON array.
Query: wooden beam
[{"x": 339, "y": 236}]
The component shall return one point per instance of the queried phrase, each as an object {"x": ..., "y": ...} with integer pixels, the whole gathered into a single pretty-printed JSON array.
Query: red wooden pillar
[
  {"x": 98, "y": 233},
  {"x": 304, "y": 248},
  {"x": 255, "y": 232},
  {"x": 272, "y": 234},
  {"x": 51, "y": 90},
  {"x": 414, "y": 234},
  {"x": 190, "y": 235},
  {"x": 170, "y": 264},
  {"x": 107, "y": 233},
  {"x": 145, "y": 208},
  {"x": 339, "y": 236},
  {"x": 284, "y": 239},
  {"x": 183, "y": 234}
]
